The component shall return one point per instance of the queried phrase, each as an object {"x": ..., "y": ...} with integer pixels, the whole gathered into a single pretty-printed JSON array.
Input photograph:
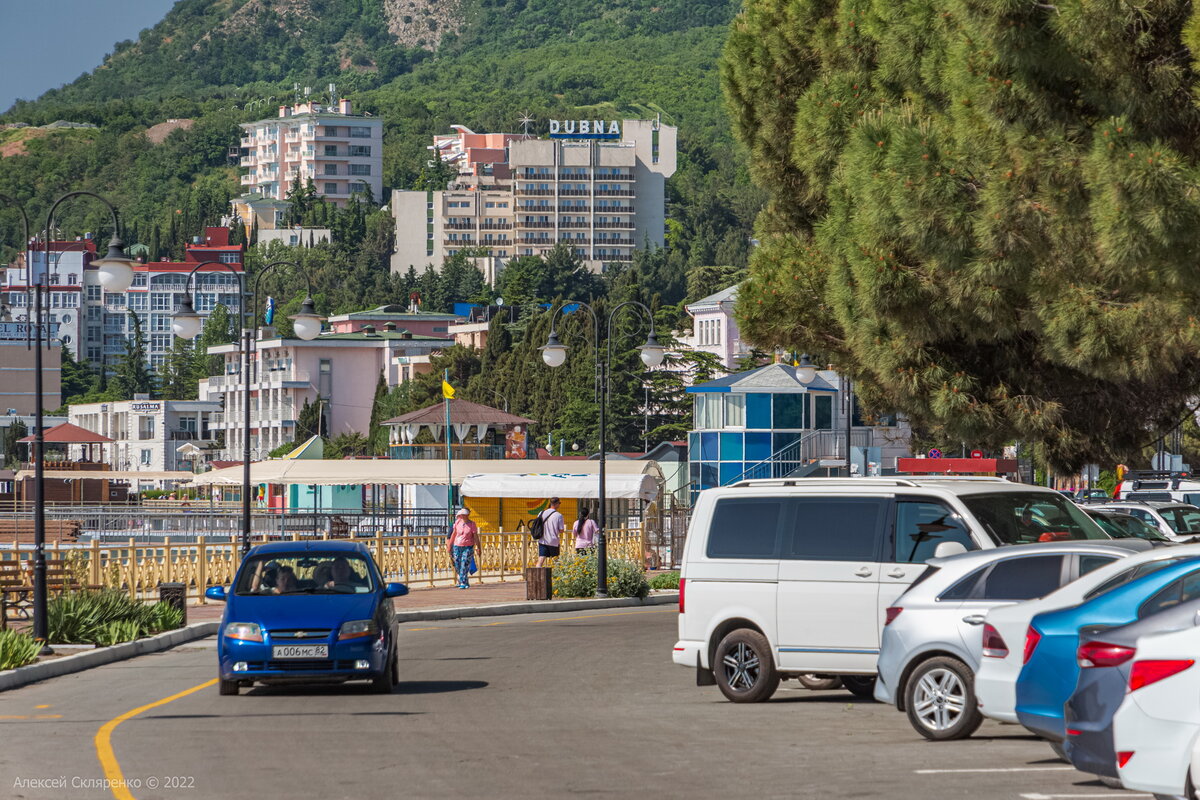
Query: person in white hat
[{"x": 463, "y": 538}]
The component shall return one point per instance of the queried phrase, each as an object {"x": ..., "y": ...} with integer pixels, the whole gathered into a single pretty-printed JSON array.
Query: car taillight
[
  {"x": 891, "y": 614},
  {"x": 1103, "y": 654},
  {"x": 1074, "y": 732},
  {"x": 1032, "y": 637},
  {"x": 1145, "y": 673},
  {"x": 1123, "y": 757},
  {"x": 994, "y": 645},
  {"x": 682, "y": 582}
]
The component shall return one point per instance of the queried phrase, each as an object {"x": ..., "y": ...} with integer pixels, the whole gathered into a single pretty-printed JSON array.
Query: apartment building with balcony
[
  {"x": 70, "y": 269},
  {"x": 602, "y": 196},
  {"x": 147, "y": 434},
  {"x": 339, "y": 151},
  {"x": 337, "y": 370}
]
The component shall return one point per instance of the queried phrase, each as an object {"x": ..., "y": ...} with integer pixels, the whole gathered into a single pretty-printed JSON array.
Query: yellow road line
[
  {"x": 26, "y": 716},
  {"x": 103, "y": 741},
  {"x": 47, "y": 705}
]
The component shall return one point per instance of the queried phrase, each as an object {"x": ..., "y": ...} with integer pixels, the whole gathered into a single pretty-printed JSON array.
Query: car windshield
[
  {"x": 1184, "y": 520},
  {"x": 1124, "y": 526},
  {"x": 304, "y": 573},
  {"x": 1024, "y": 517}
]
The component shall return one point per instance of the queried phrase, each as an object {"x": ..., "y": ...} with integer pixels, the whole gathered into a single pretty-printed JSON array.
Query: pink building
[
  {"x": 478, "y": 157},
  {"x": 417, "y": 323},
  {"x": 337, "y": 370},
  {"x": 714, "y": 330}
]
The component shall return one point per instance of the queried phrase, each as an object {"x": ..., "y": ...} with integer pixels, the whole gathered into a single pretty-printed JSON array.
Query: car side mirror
[
  {"x": 395, "y": 590},
  {"x": 946, "y": 549},
  {"x": 215, "y": 593}
]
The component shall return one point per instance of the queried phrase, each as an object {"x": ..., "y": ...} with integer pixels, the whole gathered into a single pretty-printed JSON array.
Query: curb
[
  {"x": 535, "y": 607},
  {"x": 13, "y": 678}
]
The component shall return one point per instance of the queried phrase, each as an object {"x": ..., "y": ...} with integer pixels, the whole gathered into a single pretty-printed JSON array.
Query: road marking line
[
  {"x": 995, "y": 769},
  {"x": 27, "y": 716},
  {"x": 47, "y": 705},
  {"x": 1116, "y": 793},
  {"x": 103, "y": 741}
]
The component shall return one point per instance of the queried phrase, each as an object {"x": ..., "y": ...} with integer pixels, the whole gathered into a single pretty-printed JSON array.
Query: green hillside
[{"x": 221, "y": 62}]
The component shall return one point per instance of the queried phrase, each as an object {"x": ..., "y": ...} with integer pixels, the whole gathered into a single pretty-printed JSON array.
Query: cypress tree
[{"x": 984, "y": 212}]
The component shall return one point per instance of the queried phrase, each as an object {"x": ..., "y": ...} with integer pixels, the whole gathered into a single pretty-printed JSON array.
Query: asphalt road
[{"x": 525, "y": 706}]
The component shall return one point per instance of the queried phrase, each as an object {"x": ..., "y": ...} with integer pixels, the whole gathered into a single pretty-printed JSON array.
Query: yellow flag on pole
[{"x": 447, "y": 390}]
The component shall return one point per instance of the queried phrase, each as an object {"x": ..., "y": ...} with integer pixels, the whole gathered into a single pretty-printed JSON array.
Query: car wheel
[
  {"x": 940, "y": 700},
  {"x": 745, "y": 671},
  {"x": 385, "y": 682},
  {"x": 227, "y": 687},
  {"x": 819, "y": 682},
  {"x": 861, "y": 686}
]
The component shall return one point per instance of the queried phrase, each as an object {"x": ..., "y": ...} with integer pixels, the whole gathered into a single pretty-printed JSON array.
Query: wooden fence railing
[{"x": 138, "y": 568}]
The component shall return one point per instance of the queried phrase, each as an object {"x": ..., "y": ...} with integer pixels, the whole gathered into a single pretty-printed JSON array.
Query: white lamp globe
[
  {"x": 186, "y": 326},
  {"x": 116, "y": 268},
  {"x": 554, "y": 353},
  {"x": 306, "y": 323},
  {"x": 652, "y": 352},
  {"x": 806, "y": 371}
]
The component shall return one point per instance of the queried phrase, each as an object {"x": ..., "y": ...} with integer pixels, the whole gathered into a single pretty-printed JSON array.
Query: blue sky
[{"x": 47, "y": 43}]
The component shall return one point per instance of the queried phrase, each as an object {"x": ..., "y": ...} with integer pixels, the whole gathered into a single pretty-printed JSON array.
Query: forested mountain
[{"x": 421, "y": 65}]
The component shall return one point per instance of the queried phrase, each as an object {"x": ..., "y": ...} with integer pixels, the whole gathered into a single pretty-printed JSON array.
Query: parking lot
[{"x": 532, "y": 705}]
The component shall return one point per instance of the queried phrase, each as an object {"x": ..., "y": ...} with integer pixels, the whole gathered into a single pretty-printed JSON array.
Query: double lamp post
[{"x": 554, "y": 353}]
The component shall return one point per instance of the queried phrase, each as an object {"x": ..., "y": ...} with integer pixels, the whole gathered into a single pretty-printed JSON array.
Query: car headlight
[
  {"x": 356, "y": 629},
  {"x": 245, "y": 631}
]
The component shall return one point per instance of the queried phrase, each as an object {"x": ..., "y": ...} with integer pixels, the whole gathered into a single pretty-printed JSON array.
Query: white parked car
[
  {"x": 932, "y": 635},
  {"x": 1156, "y": 730},
  {"x": 1004, "y": 629},
  {"x": 1179, "y": 522},
  {"x": 782, "y": 578}
]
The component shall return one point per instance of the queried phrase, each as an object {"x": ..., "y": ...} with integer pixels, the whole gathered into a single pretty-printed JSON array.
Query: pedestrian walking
[
  {"x": 463, "y": 538},
  {"x": 553, "y": 525},
  {"x": 585, "y": 530}
]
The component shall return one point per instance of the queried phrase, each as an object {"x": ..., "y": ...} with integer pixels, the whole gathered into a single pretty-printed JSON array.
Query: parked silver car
[
  {"x": 932, "y": 639},
  {"x": 1179, "y": 522}
]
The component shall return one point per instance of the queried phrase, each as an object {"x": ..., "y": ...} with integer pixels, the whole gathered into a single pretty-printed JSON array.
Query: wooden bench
[{"x": 16, "y": 585}]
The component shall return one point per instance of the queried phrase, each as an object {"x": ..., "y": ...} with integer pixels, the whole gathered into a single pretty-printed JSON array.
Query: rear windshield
[
  {"x": 1026, "y": 517},
  {"x": 1124, "y": 526},
  {"x": 1184, "y": 520},
  {"x": 305, "y": 573}
]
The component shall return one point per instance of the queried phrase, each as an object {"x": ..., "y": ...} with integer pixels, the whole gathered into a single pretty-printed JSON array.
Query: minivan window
[
  {"x": 1183, "y": 520},
  {"x": 1022, "y": 578},
  {"x": 836, "y": 529},
  {"x": 745, "y": 527},
  {"x": 1025, "y": 517},
  {"x": 921, "y": 525}
]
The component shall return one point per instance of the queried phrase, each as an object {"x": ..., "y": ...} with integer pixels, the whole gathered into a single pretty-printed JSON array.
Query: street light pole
[
  {"x": 116, "y": 273},
  {"x": 187, "y": 323},
  {"x": 554, "y": 353}
]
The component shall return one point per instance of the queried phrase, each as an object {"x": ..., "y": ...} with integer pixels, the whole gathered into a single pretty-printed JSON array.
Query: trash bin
[
  {"x": 538, "y": 583},
  {"x": 176, "y": 595}
]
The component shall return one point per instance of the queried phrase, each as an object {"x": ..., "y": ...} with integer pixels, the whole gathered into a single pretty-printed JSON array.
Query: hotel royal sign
[{"x": 584, "y": 129}]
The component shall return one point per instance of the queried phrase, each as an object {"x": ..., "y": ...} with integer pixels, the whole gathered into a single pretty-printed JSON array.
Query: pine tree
[
  {"x": 985, "y": 212},
  {"x": 308, "y": 421},
  {"x": 132, "y": 375},
  {"x": 376, "y": 433}
]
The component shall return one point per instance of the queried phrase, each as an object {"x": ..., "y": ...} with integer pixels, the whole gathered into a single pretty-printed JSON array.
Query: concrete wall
[{"x": 19, "y": 378}]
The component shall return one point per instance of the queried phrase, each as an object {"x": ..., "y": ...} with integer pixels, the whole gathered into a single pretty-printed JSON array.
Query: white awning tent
[
  {"x": 108, "y": 475},
  {"x": 583, "y": 486},
  {"x": 419, "y": 472}
]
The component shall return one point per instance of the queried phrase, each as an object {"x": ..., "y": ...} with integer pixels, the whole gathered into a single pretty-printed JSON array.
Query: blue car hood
[{"x": 302, "y": 610}]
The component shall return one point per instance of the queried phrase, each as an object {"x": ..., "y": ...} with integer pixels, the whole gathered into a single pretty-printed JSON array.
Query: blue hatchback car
[
  {"x": 1051, "y": 671},
  {"x": 307, "y": 612}
]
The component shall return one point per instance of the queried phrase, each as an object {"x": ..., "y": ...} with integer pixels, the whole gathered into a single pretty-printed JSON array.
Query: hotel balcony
[
  {"x": 584, "y": 225},
  {"x": 496, "y": 226},
  {"x": 613, "y": 209},
  {"x": 622, "y": 225},
  {"x": 247, "y": 141},
  {"x": 535, "y": 225},
  {"x": 613, "y": 193},
  {"x": 461, "y": 242},
  {"x": 574, "y": 192},
  {"x": 614, "y": 242},
  {"x": 538, "y": 240},
  {"x": 621, "y": 257},
  {"x": 460, "y": 226},
  {"x": 249, "y": 161},
  {"x": 536, "y": 192}
]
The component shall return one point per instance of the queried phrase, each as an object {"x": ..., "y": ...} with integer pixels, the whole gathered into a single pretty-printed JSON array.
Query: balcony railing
[
  {"x": 247, "y": 180},
  {"x": 615, "y": 242},
  {"x": 460, "y": 242},
  {"x": 610, "y": 257},
  {"x": 613, "y": 192},
  {"x": 614, "y": 209},
  {"x": 536, "y": 192},
  {"x": 574, "y": 225},
  {"x": 496, "y": 226},
  {"x": 537, "y": 225},
  {"x": 460, "y": 226},
  {"x": 546, "y": 241},
  {"x": 623, "y": 224}
]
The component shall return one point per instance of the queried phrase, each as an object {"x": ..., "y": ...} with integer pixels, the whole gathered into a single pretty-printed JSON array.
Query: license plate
[{"x": 300, "y": 651}]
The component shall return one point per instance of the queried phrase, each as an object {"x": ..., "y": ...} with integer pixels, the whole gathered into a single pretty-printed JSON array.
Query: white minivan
[{"x": 788, "y": 577}]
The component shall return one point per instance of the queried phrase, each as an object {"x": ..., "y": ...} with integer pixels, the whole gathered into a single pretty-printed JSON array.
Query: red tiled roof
[{"x": 66, "y": 433}]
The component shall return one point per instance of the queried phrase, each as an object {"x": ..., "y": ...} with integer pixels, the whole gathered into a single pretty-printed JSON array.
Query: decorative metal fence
[{"x": 139, "y": 567}]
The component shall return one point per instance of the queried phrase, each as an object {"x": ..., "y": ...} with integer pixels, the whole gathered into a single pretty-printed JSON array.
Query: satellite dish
[{"x": 499, "y": 301}]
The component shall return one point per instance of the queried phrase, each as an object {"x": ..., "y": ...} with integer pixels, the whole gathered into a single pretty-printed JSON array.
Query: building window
[
  {"x": 93, "y": 293},
  {"x": 160, "y": 322},
  {"x": 161, "y": 341},
  {"x": 331, "y": 130},
  {"x": 139, "y": 278},
  {"x": 331, "y": 188},
  {"x": 205, "y": 301},
  {"x": 230, "y": 258},
  {"x": 360, "y": 131},
  {"x": 137, "y": 301},
  {"x": 331, "y": 150},
  {"x": 360, "y": 169},
  {"x": 160, "y": 301},
  {"x": 735, "y": 411},
  {"x": 146, "y": 455},
  {"x": 145, "y": 431},
  {"x": 360, "y": 150},
  {"x": 325, "y": 378},
  {"x": 331, "y": 169}
]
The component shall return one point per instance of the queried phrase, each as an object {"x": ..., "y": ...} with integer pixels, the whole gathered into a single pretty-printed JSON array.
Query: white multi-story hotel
[
  {"x": 340, "y": 152},
  {"x": 147, "y": 434},
  {"x": 599, "y": 186}
]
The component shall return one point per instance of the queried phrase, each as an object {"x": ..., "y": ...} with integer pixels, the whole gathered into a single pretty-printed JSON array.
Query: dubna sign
[{"x": 584, "y": 129}]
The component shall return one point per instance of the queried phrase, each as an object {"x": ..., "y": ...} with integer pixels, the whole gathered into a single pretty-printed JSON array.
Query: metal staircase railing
[{"x": 810, "y": 447}]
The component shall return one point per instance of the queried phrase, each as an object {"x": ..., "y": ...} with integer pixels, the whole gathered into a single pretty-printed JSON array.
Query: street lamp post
[
  {"x": 116, "y": 273},
  {"x": 186, "y": 324},
  {"x": 554, "y": 353}
]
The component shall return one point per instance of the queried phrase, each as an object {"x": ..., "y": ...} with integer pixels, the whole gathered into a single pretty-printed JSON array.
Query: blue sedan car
[
  {"x": 307, "y": 612},
  {"x": 1051, "y": 671}
]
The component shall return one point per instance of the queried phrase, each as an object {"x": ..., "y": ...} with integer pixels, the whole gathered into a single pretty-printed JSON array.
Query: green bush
[
  {"x": 575, "y": 576},
  {"x": 17, "y": 649},
  {"x": 106, "y": 617},
  {"x": 667, "y": 580}
]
